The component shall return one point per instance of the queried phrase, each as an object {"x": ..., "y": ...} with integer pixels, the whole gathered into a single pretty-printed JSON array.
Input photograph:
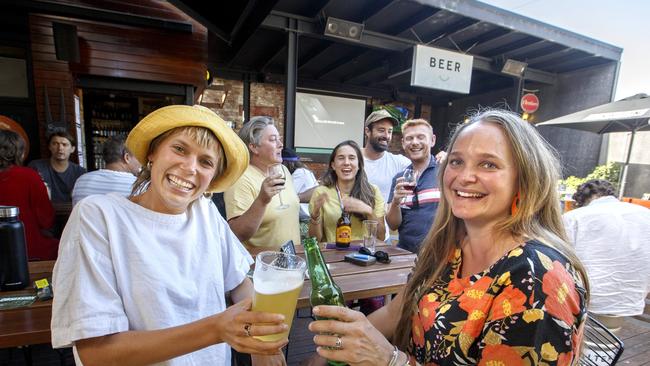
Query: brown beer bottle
[{"x": 343, "y": 231}]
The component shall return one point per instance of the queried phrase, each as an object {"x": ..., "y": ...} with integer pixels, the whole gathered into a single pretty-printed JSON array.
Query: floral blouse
[{"x": 528, "y": 308}]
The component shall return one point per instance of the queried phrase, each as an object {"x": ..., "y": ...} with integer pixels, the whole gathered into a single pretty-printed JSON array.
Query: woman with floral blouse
[{"x": 495, "y": 282}]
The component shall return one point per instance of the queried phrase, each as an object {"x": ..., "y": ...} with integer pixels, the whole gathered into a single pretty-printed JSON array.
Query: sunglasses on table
[{"x": 380, "y": 255}]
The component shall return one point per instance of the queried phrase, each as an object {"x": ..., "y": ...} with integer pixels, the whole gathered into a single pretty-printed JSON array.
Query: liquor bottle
[
  {"x": 343, "y": 231},
  {"x": 324, "y": 291}
]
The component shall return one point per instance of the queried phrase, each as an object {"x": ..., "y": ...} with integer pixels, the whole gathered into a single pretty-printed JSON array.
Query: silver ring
[
  {"x": 247, "y": 329},
  {"x": 339, "y": 343}
]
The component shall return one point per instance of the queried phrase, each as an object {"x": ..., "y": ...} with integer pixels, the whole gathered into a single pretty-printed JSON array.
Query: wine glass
[
  {"x": 274, "y": 171},
  {"x": 411, "y": 179}
]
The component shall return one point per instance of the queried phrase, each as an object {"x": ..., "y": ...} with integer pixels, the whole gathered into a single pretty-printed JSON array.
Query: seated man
[
  {"x": 58, "y": 172},
  {"x": 118, "y": 176},
  {"x": 411, "y": 211},
  {"x": 612, "y": 239}
]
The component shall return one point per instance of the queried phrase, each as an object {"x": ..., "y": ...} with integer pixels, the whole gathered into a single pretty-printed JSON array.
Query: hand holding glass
[
  {"x": 278, "y": 279},
  {"x": 410, "y": 180},
  {"x": 274, "y": 171},
  {"x": 370, "y": 234}
]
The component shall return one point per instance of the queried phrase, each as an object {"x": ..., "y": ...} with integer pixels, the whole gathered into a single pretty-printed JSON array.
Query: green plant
[{"x": 609, "y": 172}]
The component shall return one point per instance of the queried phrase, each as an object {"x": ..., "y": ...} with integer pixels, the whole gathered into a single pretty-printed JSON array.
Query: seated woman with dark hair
[
  {"x": 495, "y": 282},
  {"x": 22, "y": 187},
  {"x": 345, "y": 187}
]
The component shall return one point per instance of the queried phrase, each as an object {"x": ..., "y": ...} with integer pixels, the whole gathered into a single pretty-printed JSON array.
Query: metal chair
[{"x": 601, "y": 347}]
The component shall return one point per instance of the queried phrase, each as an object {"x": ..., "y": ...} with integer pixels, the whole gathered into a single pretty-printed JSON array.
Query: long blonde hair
[
  {"x": 201, "y": 135},
  {"x": 538, "y": 215}
]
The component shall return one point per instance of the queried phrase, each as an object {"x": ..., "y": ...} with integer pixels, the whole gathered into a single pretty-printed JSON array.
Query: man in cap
[
  {"x": 381, "y": 165},
  {"x": 118, "y": 176}
]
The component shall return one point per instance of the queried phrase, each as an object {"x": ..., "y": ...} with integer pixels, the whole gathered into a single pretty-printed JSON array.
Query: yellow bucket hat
[{"x": 174, "y": 116}]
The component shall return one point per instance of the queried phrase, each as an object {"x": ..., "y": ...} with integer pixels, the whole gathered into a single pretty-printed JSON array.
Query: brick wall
[{"x": 266, "y": 100}]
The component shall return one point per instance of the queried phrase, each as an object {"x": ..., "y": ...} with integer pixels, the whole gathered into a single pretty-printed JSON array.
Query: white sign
[{"x": 435, "y": 68}]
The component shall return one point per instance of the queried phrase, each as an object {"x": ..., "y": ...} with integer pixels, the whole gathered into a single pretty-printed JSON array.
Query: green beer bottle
[{"x": 323, "y": 289}]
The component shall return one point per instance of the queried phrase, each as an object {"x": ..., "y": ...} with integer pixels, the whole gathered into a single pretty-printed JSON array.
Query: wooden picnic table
[
  {"x": 360, "y": 282},
  {"x": 28, "y": 325},
  {"x": 31, "y": 324}
]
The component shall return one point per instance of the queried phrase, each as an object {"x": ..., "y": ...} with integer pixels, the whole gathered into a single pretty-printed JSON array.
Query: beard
[{"x": 377, "y": 146}]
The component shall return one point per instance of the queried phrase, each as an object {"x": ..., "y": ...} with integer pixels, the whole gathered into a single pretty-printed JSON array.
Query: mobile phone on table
[{"x": 360, "y": 259}]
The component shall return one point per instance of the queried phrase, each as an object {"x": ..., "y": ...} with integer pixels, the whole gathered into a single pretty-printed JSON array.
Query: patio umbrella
[{"x": 631, "y": 114}]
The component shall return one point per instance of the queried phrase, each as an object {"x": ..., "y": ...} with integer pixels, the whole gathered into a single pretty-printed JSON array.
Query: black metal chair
[{"x": 601, "y": 347}]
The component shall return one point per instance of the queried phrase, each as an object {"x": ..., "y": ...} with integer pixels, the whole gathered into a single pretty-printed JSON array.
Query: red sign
[{"x": 529, "y": 103}]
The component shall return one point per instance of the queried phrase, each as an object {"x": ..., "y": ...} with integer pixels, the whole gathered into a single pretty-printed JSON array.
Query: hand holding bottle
[
  {"x": 355, "y": 205},
  {"x": 360, "y": 343}
]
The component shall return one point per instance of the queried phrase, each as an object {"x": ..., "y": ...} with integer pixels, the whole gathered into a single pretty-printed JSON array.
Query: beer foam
[{"x": 276, "y": 284}]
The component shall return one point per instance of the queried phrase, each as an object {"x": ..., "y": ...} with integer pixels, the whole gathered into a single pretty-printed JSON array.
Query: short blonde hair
[{"x": 417, "y": 122}]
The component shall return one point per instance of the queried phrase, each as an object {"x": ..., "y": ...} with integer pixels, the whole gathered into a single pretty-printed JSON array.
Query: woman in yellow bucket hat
[{"x": 142, "y": 280}]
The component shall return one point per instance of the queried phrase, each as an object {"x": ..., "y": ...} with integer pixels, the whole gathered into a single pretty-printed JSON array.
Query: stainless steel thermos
[{"x": 14, "y": 274}]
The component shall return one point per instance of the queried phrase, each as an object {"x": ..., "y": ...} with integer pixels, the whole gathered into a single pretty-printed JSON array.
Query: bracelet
[
  {"x": 407, "y": 362},
  {"x": 393, "y": 358},
  {"x": 314, "y": 221}
]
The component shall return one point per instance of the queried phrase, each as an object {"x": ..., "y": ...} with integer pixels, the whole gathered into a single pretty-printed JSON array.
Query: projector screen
[{"x": 322, "y": 121}]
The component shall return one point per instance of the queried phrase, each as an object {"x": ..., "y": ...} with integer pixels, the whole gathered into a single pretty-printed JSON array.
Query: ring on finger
[
  {"x": 247, "y": 329},
  {"x": 339, "y": 343}
]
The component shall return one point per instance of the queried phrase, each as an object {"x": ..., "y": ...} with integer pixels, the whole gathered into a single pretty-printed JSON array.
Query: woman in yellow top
[{"x": 345, "y": 186}]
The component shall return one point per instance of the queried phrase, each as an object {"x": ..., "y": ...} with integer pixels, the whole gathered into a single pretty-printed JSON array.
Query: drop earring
[{"x": 515, "y": 204}]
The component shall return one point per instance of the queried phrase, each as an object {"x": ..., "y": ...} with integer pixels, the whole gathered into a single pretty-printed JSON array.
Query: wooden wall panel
[{"x": 115, "y": 50}]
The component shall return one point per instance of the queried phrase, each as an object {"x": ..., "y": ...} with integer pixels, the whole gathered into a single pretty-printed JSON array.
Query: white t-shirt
[
  {"x": 303, "y": 179},
  {"x": 123, "y": 267},
  {"x": 380, "y": 172},
  {"x": 612, "y": 239},
  {"x": 101, "y": 182}
]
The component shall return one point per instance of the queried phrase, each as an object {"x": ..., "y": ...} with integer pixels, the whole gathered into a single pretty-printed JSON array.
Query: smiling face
[
  {"x": 379, "y": 134},
  {"x": 345, "y": 163},
  {"x": 269, "y": 150},
  {"x": 181, "y": 171},
  {"x": 480, "y": 179},
  {"x": 417, "y": 141}
]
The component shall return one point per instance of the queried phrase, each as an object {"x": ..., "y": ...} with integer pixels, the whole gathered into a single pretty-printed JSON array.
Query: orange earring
[{"x": 515, "y": 203}]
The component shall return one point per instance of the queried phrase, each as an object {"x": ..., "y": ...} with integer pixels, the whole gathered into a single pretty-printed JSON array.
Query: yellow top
[
  {"x": 331, "y": 212},
  {"x": 277, "y": 226}
]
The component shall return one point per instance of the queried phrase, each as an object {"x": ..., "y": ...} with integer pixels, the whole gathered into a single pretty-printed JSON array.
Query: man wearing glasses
[{"x": 411, "y": 208}]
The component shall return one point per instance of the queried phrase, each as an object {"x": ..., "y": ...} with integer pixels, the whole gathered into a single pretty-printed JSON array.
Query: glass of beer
[{"x": 278, "y": 279}]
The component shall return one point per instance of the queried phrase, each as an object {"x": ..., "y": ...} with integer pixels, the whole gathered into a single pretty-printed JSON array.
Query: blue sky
[{"x": 623, "y": 23}]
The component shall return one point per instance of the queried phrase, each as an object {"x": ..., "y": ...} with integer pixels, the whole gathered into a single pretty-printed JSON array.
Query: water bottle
[{"x": 14, "y": 274}]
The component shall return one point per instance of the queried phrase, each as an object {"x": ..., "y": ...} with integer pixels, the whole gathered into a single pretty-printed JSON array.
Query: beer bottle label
[{"x": 343, "y": 234}]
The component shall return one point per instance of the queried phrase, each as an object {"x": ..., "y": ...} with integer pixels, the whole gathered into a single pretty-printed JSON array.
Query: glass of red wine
[
  {"x": 277, "y": 170},
  {"x": 410, "y": 181}
]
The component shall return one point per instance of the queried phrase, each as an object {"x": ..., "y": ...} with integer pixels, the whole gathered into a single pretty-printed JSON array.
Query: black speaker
[
  {"x": 343, "y": 29},
  {"x": 66, "y": 42}
]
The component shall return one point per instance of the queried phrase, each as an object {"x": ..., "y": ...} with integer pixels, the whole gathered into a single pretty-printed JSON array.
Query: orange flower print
[
  {"x": 428, "y": 307},
  {"x": 417, "y": 332},
  {"x": 457, "y": 285},
  {"x": 474, "y": 323},
  {"x": 562, "y": 299},
  {"x": 475, "y": 297},
  {"x": 564, "y": 359},
  {"x": 510, "y": 301},
  {"x": 500, "y": 355}
]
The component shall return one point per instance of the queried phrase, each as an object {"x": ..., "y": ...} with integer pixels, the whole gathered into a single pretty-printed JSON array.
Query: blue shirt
[{"x": 423, "y": 203}]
